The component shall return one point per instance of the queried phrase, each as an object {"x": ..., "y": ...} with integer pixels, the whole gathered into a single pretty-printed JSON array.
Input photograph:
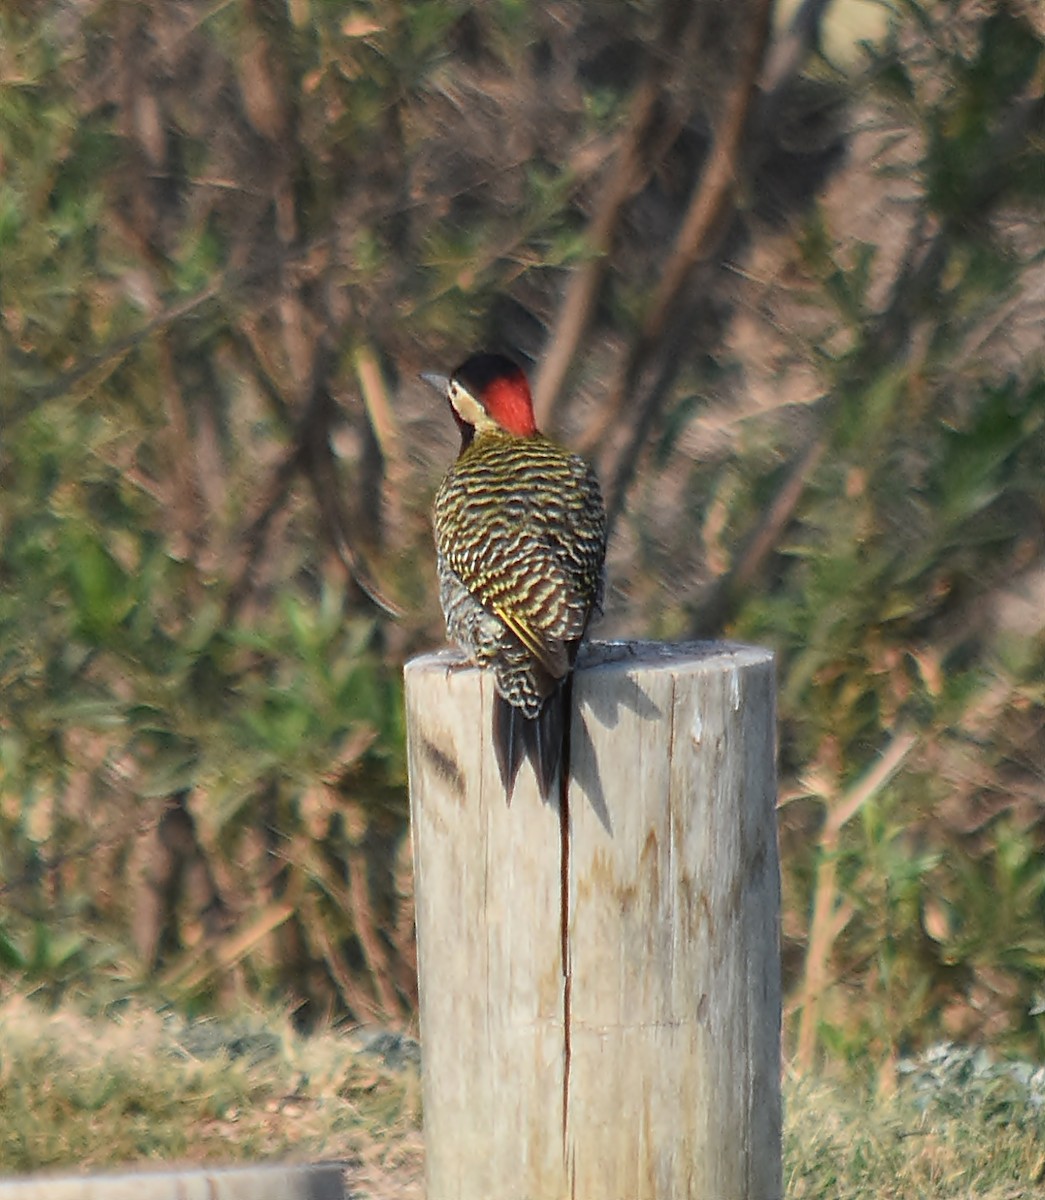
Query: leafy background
[{"x": 784, "y": 287}]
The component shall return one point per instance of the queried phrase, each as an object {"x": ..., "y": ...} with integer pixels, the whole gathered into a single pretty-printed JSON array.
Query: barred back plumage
[{"x": 520, "y": 536}]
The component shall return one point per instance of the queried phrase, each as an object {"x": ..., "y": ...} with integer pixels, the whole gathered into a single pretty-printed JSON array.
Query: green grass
[
  {"x": 141, "y": 1088},
  {"x": 92, "y": 1092}
]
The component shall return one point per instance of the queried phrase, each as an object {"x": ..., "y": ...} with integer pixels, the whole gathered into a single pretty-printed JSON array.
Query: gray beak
[{"x": 440, "y": 382}]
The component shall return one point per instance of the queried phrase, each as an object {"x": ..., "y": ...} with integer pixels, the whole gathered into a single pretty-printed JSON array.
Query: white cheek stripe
[{"x": 469, "y": 409}]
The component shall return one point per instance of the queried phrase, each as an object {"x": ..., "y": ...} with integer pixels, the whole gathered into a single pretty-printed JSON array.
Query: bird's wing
[
  {"x": 550, "y": 653},
  {"x": 514, "y": 559}
]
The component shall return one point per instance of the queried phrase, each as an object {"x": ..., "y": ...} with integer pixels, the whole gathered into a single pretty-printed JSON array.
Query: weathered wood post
[{"x": 600, "y": 995}]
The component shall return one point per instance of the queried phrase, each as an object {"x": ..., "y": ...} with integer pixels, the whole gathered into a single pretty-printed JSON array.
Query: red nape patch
[{"x": 507, "y": 399}]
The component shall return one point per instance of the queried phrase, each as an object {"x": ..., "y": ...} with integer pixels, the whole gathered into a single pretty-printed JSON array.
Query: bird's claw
[{"x": 458, "y": 664}]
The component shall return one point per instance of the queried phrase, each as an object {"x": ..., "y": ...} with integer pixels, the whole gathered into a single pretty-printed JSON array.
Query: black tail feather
[
  {"x": 544, "y": 738},
  {"x": 516, "y": 737},
  {"x": 508, "y": 741}
]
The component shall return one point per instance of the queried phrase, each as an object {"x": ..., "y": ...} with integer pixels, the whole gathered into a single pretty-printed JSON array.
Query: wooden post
[{"x": 600, "y": 996}]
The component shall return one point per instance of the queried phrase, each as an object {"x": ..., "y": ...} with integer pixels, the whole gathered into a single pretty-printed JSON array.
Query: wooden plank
[
  {"x": 675, "y": 1000},
  {"x": 650, "y": 1071},
  {"x": 486, "y": 888},
  {"x": 317, "y": 1181}
]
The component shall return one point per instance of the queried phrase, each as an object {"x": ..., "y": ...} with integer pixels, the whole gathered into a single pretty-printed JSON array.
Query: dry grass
[
  {"x": 140, "y": 1088},
  {"x": 87, "y": 1093},
  {"x": 965, "y": 1136}
]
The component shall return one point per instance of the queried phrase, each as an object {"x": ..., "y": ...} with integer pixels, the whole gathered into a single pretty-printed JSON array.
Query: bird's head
[{"x": 486, "y": 392}]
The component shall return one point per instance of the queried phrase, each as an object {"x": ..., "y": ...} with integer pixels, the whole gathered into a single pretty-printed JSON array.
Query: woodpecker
[{"x": 520, "y": 534}]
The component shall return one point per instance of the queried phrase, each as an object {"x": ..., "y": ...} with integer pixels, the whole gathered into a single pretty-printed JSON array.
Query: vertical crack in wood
[{"x": 564, "y": 905}]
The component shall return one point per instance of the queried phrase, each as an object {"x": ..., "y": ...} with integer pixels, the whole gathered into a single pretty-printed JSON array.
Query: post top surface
[{"x": 641, "y": 655}]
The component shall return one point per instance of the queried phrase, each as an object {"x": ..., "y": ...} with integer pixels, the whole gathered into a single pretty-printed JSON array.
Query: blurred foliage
[
  {"x": 230, "y": 236},
  {"x": 918, "y": 533}
]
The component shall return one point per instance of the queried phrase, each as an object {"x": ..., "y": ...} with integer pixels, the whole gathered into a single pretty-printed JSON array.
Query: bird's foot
[{"x": 460, "y": 664}]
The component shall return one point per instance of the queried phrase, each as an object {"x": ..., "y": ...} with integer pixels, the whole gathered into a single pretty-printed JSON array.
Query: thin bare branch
[
  {"x": 650, "y": 129},
  {"x": 378, "y": 408},
  {"x": 869, "y": 784},
  {"x": 830, "y": 912},
  {"x": 716, "y": 609},
  {"x": 321, "y": 472},
  {"x": 791, "y": 52},
  {"x": 701, "y": 226},
  {"x": 578, "y": 304}
]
